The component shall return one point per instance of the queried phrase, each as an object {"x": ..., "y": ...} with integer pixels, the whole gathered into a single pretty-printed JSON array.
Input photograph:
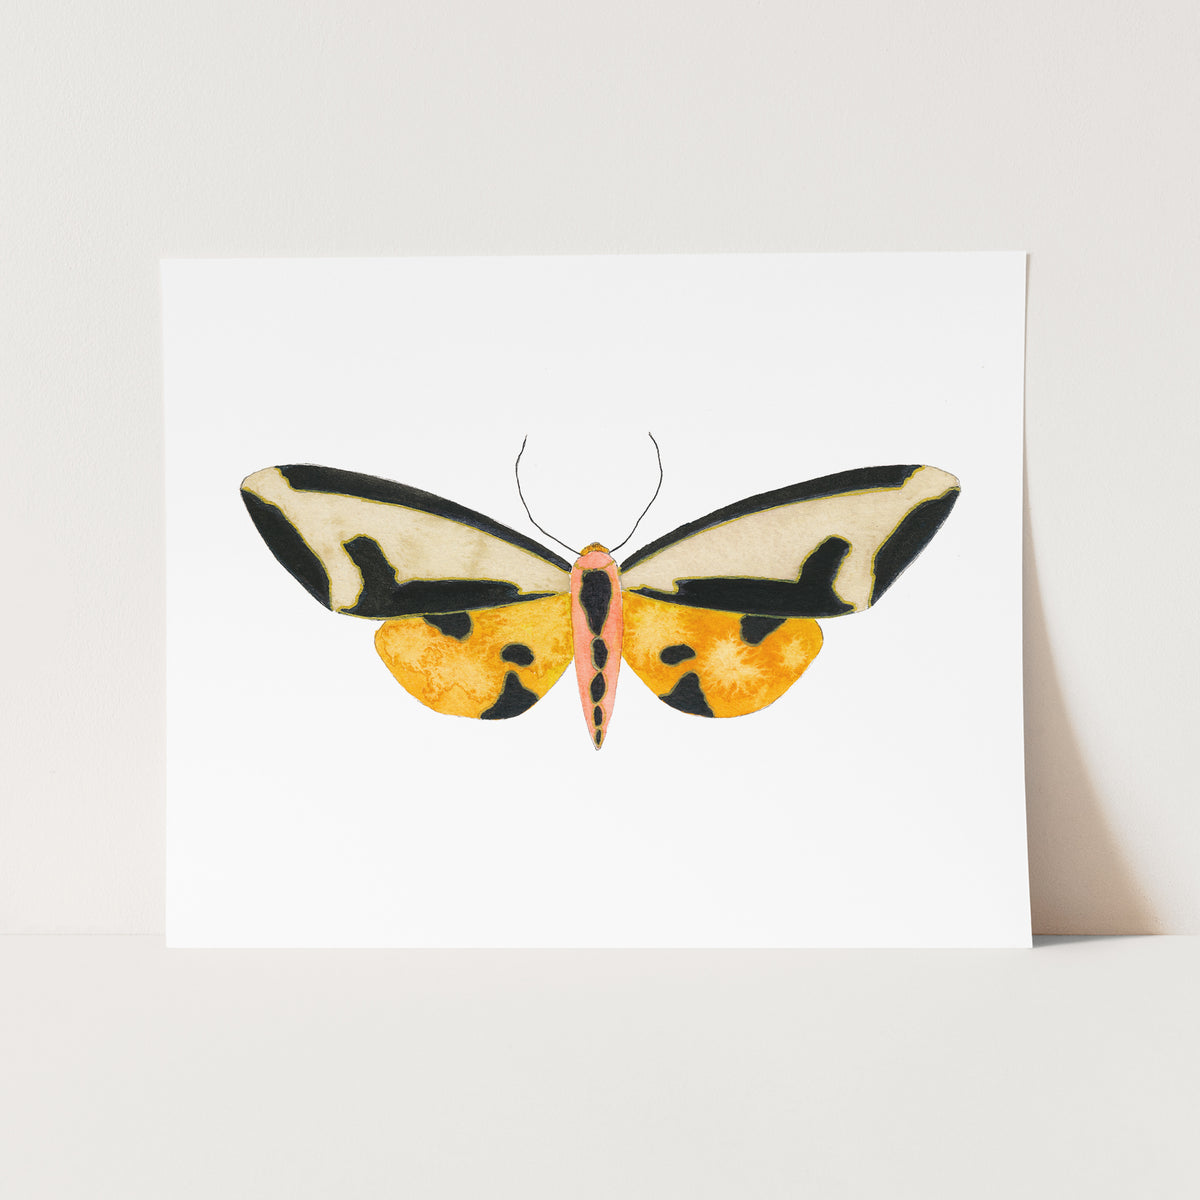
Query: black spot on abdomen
[
  {"x": 597, "y": 687},
  {"x": 688, "y": 697},
  {"x": 599, "y": 654},
  {"x": 516, "y": 652},
  {"x": 755, "y": 629},
  {"x": 595, "y": 596},
  {"x": 290, "y": 549},
  {"x": 597, "y": 715},
  {"x": 676, "y": 654},
  {"x": 455, "y": 625},
  {"x": 515, "y": 699}
]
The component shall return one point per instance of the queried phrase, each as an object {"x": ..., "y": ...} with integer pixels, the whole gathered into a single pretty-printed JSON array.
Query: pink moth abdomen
[{"x": 597, "y": 625}]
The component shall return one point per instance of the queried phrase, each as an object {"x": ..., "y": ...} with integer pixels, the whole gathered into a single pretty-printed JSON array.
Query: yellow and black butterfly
[{"x": 716, "y": 617}]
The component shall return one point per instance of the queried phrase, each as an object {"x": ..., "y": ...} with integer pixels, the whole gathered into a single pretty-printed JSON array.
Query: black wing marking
[{"x": 821, "y": 548}]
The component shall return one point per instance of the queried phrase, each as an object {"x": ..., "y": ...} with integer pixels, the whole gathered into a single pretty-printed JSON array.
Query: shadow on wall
[{"x": 1079, "y": 881}]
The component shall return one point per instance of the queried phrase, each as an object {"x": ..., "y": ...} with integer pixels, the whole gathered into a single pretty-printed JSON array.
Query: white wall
[{"x": 132, "y": 131}]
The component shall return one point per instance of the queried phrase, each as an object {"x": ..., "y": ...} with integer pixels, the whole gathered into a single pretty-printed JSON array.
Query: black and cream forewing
[{"x": 370, "y": 547}]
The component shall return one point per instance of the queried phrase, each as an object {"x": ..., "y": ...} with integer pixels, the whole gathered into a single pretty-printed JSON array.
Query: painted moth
[{"x": 717, "y": 617}]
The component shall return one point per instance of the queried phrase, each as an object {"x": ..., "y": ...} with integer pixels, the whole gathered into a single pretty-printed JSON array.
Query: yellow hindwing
[
  {"x": 715, "y": 664},
  {"x": 490, "y": 663}
]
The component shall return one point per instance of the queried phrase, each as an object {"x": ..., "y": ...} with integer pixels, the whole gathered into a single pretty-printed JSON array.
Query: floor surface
[{"x": 130, "y": 1071}]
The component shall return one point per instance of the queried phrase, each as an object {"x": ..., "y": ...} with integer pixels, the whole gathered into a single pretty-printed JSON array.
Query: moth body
[{"x": 597, "y": 628}]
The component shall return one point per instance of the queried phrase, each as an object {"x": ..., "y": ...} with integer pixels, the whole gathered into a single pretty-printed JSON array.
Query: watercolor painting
[
  {"x": 701, "y": 524},
  {"x": 718, "y": 617}
]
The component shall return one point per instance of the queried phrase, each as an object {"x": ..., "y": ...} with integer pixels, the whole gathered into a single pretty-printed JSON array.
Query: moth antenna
[
  {"x": 517, "y": 471},
  {"x": 645, "y": 510}
]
